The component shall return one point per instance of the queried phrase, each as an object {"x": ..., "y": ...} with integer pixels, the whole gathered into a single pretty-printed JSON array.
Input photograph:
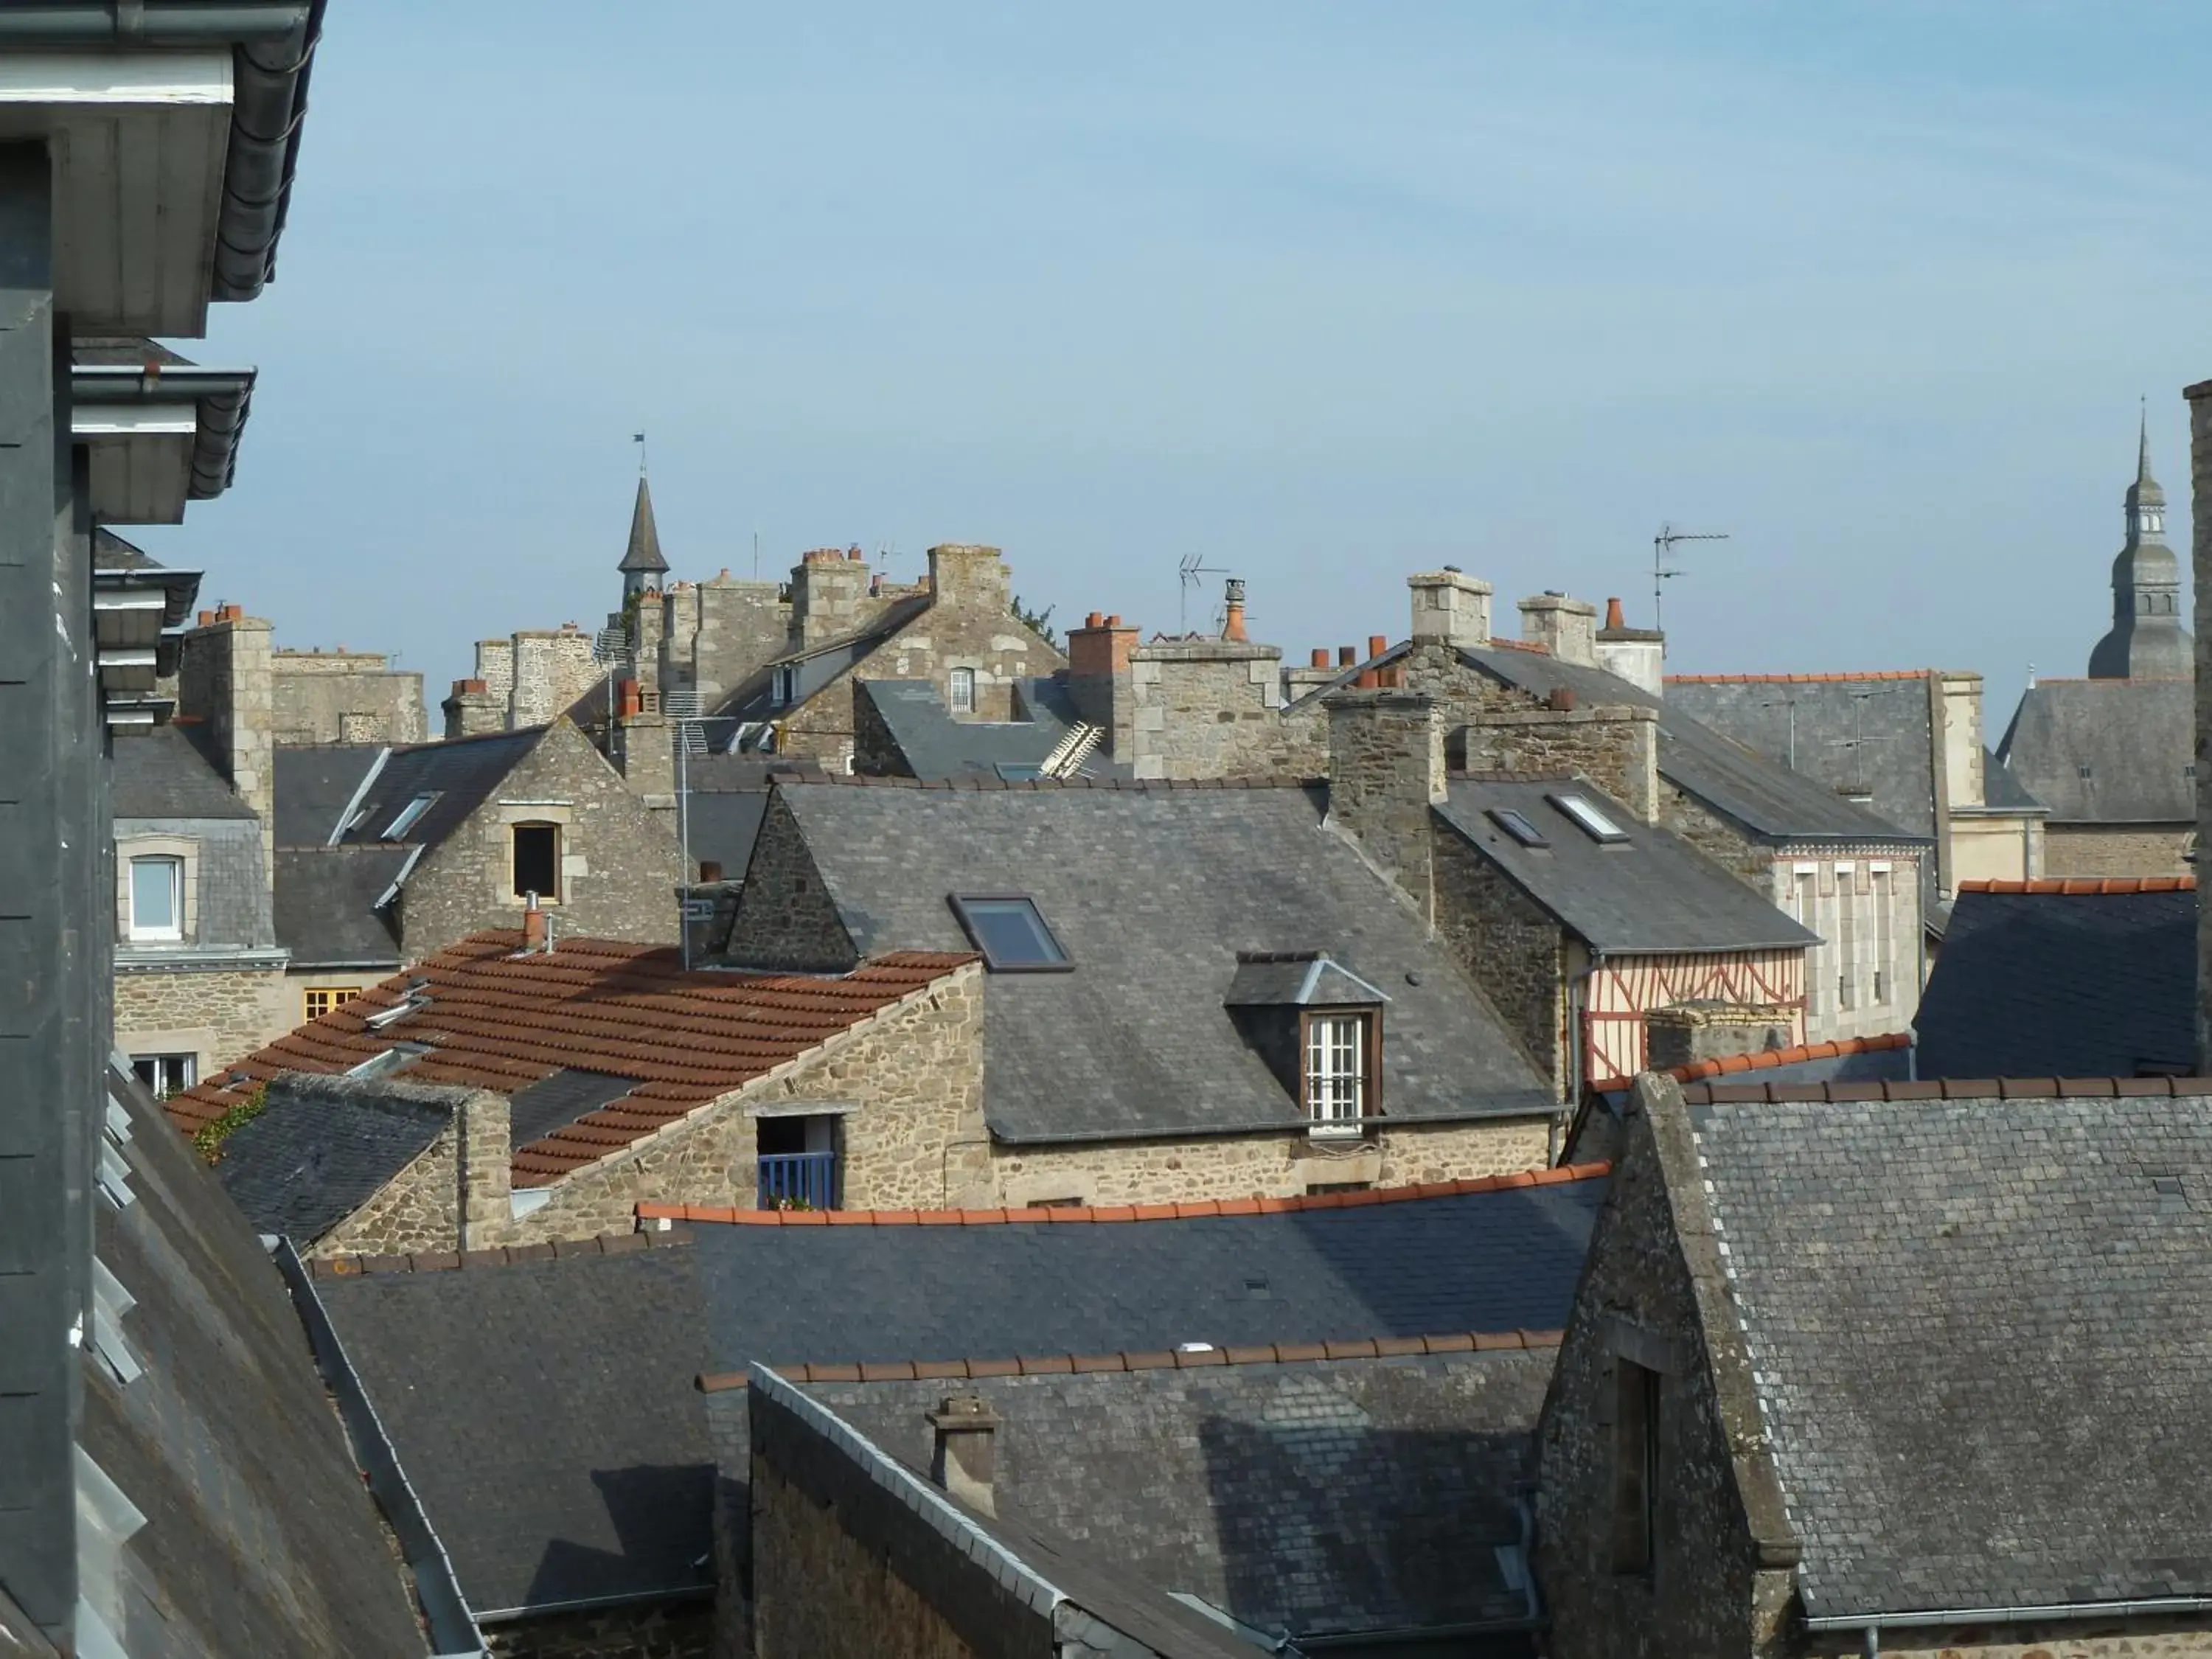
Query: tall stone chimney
[
  {"x": 1098, "y": 678},
  {"x": 963, "y": 1457},
  {"x": 829, "y": 595},
  {"x": 1637, "y": 655},
  {"x": 1566, "y": 628},
  {"x": 969, "y": 575},
  {"x": 1386, "y": 770},
  {"x": 472, "y": 709},
  {"x": 225, "y": 680},
  {"x": 1451, "y": 608}
]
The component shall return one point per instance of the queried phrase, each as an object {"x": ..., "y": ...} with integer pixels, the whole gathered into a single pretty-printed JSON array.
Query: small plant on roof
[
  {"x": 1039, "y": 622},
  {"x": 791, "y": 1202},
  {"x": 208, "y": 1139}
]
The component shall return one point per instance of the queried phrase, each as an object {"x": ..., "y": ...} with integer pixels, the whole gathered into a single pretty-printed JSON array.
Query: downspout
[{"x": 1873, "y": 1642}]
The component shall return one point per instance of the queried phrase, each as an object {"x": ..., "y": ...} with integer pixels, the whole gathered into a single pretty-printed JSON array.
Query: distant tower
[
  {"x": 643, "y": 567},
  {"x": 2147, "y": 642}
]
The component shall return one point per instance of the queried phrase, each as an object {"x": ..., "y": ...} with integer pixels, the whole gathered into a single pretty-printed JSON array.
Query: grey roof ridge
[
  {"x": 930, "y": 1505},
  {"x": 1211, "y": 1356},
  {"x": 1718, "y": 1093},
  {"x": 977, "y": 782}
]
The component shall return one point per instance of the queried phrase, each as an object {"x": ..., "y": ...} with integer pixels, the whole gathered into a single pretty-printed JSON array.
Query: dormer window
[
  {"x": 783, "y": 687},
  {"x": 963, "y": 693},
  {"x": 1011, "y": 932},
  {"x": 1339, "y": 1049},
  {"x": 1588, "y": 818},
  {"x": 1318, "y": 1027}
]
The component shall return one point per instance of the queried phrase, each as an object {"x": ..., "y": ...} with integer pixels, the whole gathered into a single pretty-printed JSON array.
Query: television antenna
[
  {"x": 1192, "y": 567},
  {"x": 1858, "y": 742},
  {"x": 1663, "y": 549},
  {"x": 1789, "y": 703}
]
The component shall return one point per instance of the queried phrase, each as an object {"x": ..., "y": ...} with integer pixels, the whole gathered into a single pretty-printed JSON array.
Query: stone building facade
[
  {"x": 2200, "y": 480},
  {"x": 344, "y": 697}
]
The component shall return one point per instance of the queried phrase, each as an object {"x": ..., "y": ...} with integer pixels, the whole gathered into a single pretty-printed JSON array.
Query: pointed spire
[
  {"x": 644, "y": 554},
  {"x": 2143, "y": 450}
]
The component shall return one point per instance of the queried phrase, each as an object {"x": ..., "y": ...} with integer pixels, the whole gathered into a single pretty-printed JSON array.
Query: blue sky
[{"x": 1323, "y": 294}]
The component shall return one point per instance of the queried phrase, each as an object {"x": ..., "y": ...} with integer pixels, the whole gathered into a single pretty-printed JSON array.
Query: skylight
[
  {"x": 409, "y": 815},
  {"x": 1592, "y": 822},
  {"x": 1517, "y": 827},
  {"x": 1011, "y": 934}
]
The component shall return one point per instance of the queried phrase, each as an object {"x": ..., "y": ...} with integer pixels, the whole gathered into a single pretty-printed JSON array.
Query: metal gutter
[
  {"x": 453, "y": 1629},
  {"x": 222, "y": 398},
  {"x": 592, "y": 1603},
  {"x": 272, "y": 49},
  {"x": 2058, "y": 1613}
]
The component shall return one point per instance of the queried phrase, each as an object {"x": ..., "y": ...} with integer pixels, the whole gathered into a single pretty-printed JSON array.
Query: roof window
[
  {"x": 410, "y": 816},
  {"x": 1008, "y": 930},
  {"x": 1587, "y": 819},
  {"x": 1517, "y": 827}
]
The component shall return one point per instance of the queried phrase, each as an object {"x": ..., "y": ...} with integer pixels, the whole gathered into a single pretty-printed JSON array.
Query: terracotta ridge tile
[{"x": 2083, "y": 886}]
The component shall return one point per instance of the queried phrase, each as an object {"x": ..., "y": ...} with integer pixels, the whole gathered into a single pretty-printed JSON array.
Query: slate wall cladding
[
  {"x": 652, "y": 1630},
  {"x": 1514, "y": 952},
  {"x": 819, "y": 1593},
  {"x": 786, "y": 918},
  {"x": 1265, "y": 1166},
  {"x": 2096, "y": 849},
  {"x": 229, "y": 903},
  {"x": 220, "y": 1016},
  {"x": 1708, "y": 1593},
  {"x": 344, "y": 697},
  {"x": 620, "y": 860}
]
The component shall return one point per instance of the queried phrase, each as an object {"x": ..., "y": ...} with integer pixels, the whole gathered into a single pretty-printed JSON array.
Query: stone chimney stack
[
  {"x": 1386, "y": 770},
  {"x": 1451, "y": 608},
  {"x": 965, "y": 573},
  {"x": 1098, "y": 678},
  {"x": 224, "y": 680},
  {"x": 2200, "y": 523},
  {"x": 964, "y": 1458},
  {"x": 1566, "y": 628},
  {"x": 829, "y": 595},
  {"x": 1637, "y": 655},
  {"x": 473, "y": 709}
]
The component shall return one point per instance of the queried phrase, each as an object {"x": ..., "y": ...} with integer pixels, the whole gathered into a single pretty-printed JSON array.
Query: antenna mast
[
  {"x": 1663, "y": 549},
  {"x": 1192, "y": 568}
]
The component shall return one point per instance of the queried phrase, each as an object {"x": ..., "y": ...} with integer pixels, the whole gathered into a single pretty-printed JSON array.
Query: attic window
[
  {"x": 963, "y": 697},
  {"x": 1517, "y": 827},
  {"x": 1339, "y": 1053},
  {"x": 1010, "y": 933},
  {"x": 1587, "y": 819},
  {"x": 410, "y": 815},
  {"x": 537, "y": 861},
  {"x": 783, "y": 688}
]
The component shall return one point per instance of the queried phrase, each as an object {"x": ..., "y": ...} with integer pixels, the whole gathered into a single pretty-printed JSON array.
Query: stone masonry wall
[
  {"x": 1386, "y": 774},
  {"x": 2200, "y": 523},
  {"x": 2117, "y": 849},
  {"x": 1617, "y": 749},
  {"x": 743, "y": 627},
  {"x": 344, "y": 697},
  {"x": 653, "y": 1630},
  {"x": 418, "y": 1209},
  {"x": 553, "y": 667},
  {"x": 1637, "y": 1302},
  {"x": 1212, "y": 708},
  {"x": 620, "y": 861},
  {"x": 820, "y": 1594},
  {"x": 785, "y": 917},
  {"x": 1281, "y": 1165},
  {"x": 1513, "y": 950},
  {"x": 221, "y": 1016}
]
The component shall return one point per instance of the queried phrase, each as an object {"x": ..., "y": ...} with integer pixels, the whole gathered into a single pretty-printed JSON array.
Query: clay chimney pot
[{"x": 1613, "y": 618}]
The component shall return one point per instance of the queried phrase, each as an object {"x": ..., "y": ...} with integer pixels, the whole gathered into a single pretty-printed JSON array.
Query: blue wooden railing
[{"x": 798, "y": 1178}]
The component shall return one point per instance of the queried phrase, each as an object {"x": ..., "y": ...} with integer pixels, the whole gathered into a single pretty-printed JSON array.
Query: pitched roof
[
  {"x": 1335, "y": 1496},
  {"x": 935, "y": 745},
  {"x": 1650, "y": 893},
  {"x": 1153, "y": 892},
  {"x": 325, "y": 1146},
  {"x": 259, "y": 1540},
  {"x": 1765, "y": 796},
  {"x": 313, "y": 784},
  {"x": 2064, "y": 979},
  {"x": 2135, "y": 739},
  {"x": 818, "y": 666},
  {"x": 160, "y": 774},
  {"x": 544, "y": 1414},
  {"x": 461, "y": 773},
  {"x": 1977, "y": 1337},
  {"x": 326, "y": 905},
  {"x": 643, "y": 552},
  {"x": 495, "y": 1017}
]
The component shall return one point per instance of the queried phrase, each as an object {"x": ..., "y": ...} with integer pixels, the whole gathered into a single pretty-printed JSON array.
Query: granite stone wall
[
  {"x": 2117, "y": 849},
  {"x": 620, "y": 860},
  {"x": 1616, "y": 748},
  {"x": 453, "y": 1196},
  {"x": 785, "y": 917},
  {"x": 1386, "y": 773},
  {"x": 2200, "y": 523},
  {"x": 819, "y": 1593},
  {"x": 1514, "y": 950},
  {"x": 1213, "y": 708},
  {"x": 220, "y": 1015},
  {"x": 743, "y": 626},
  {"x": 344, "y": 697},
  {"x": 553, "y": 667}
]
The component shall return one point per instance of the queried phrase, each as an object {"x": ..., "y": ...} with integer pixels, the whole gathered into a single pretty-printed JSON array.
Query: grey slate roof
[
  {"x": 2002, "y": 791},
  {"x": 110, "y": 552},
  {"x": 461, "y": 772},
  {"x": 2062, "y": 985},
  {"x": 325, "y": 1146},
  {"x": 754, "y": 699},
  {"x": 1763, "y": 795},
  {"x": 1153, "y": 892},
  {"x": 936, "y": 746},
  {"x": 1351, "y": 1496},
  {"x": 545, "y": 1413},
  {"x": 1978, "y": 1327},
  {"x": 260, "y": 1541},
  {"x": 556, "y": 1102},
  {"x": 312, "y": 784},
  {"x": 1502, "y": 1260},
  {"x": 2134, "y": 737},
  {"x": 643, "y": 551},
  {"x": 160, "y": 774},
  {"x": 324, "y": 904},
  {"x": 1650, "y": 893}
]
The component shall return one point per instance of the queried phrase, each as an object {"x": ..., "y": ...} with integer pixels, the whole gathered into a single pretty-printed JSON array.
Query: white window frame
[
  {"x": 1336, "y": 1071},
  {"x": 783, "y": 687},
  {"x": 173, "y": 1073},
  {"x": 174, "y": 932},
  {"x": 960, "y": 690}
]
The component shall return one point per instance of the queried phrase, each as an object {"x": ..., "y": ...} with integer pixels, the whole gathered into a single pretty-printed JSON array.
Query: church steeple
[
  {"x": 643, "y": 567},
  {"x": 2147, "y": 642}
]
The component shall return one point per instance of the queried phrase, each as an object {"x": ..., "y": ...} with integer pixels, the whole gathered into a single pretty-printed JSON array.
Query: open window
[
  {"x": 410, "y": 816},
  {"x": 1011, "y": 932},
  {"x": 157, "y": 898},
  {"x": 537, "y": 860}
]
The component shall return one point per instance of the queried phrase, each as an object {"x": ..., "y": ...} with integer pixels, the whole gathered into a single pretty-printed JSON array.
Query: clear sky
[{"x": 1324, "y": 293}]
